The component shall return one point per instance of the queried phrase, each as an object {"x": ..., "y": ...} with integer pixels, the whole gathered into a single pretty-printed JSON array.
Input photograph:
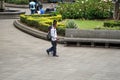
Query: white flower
[
  {"x": 79, "y": 9},
  {"x": 82, "y": 2}
]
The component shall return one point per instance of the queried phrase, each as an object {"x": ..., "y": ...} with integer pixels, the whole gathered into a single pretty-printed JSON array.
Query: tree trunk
[{"x": 116, "y": 14}]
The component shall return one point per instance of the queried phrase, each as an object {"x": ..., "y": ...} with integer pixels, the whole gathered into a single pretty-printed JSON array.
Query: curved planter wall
[
  {"x": 11, "y": 14},
  {"x": 16, "y": 6},
  {"x": 33, "y": 32}
]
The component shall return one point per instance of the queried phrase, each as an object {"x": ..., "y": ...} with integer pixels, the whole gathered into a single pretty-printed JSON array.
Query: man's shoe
[
  {"x": 55, "y": 56},
  {"x": 47, "y": 52}
]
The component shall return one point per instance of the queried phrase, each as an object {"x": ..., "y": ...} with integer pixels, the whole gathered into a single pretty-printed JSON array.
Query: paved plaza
[{"x": 24, "y": 57}]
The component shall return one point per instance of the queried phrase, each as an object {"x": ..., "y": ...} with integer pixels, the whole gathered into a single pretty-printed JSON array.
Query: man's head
[{"x": 54, "y": 23}]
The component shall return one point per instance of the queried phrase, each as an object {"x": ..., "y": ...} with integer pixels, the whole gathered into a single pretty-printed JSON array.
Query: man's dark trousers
[
  {"x": 32, "y": 11},
  {"x": 53, "y": 48}
]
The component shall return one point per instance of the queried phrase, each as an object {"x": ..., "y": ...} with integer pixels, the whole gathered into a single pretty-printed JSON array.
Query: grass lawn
[{"x": 89, "y": 24}]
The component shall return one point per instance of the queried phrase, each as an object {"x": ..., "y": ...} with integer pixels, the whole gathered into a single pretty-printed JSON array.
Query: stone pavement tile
[{"x": 105, "y": 76}]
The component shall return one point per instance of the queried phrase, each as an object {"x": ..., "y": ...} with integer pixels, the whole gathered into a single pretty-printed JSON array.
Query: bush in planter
[
  {"x": 57, "y": 17},
  {"x": 61, "y": 30},
  {"x": 42, "y": 23},
  {"x": 43, "y": 26},
  {"x": 108, "y": 28},
  {"x": 88, "y": 9},
  {"x": 71, "y": 24},
  {"x": 23, "y": 18},
  {"x": 112, "y": 24},
  {"x": 44, "y": 18},
  {"x": 32, "y": 22},
  {"x": 49, "y": 16},
  {"x": 36, "y": 15}
]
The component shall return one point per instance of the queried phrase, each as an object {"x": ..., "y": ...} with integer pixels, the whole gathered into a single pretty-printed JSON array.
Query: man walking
[{"x": 54, "y": 39}]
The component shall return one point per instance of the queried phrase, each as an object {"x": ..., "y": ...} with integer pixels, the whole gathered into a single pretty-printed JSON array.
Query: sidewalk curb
[{"x": 34, "y": 32}]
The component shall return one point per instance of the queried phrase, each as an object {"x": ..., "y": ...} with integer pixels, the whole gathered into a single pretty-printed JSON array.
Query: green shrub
[
  {"x": 54, "y": 13},
  {"x": 88, "y": 9},
  {"x": 108, "y": 28},
  {"x": 61, "y": 30},
  {"x": 23, "y": 18},
  {"x": 43, "y": 26},
  {"x": 48, "y": 16},
  {"x": 43, "y": 15},
  {"x": 112, "y": 24},
  {"x": 32, "y": 22},
  {"x": 71, "y": 24},
  {"x": 42, "y": 22}
]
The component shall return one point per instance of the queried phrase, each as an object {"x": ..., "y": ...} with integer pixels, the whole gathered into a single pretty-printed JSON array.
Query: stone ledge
[
  {"x": 93, "y": 37},
  {"x": 11, "y": 14},
  {"x": 16, "y": 6},
  {"x": 34, "y": 32},
  {"x": 95, "y": 40},
  {"x": 104, "y": 34}
]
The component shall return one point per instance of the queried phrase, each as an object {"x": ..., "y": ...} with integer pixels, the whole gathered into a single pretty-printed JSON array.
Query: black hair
[{"x": 54, "y": 22}]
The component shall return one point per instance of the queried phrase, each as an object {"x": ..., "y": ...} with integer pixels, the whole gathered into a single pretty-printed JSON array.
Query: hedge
[
  {"x": 42, "y": 22},
  {"x": 112, "y": 24}
]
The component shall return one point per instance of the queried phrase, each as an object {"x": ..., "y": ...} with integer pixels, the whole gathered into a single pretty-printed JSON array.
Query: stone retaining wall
[
  {"x": 106, "y": 34},
  {"x": 106, "y": 37}
]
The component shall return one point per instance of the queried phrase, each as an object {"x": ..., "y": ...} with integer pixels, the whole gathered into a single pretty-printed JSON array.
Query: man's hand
[{"x": 57, "y": 39}]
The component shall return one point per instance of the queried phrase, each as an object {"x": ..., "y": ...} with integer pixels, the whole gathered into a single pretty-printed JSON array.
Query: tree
[
  {"x": 2, "y": 6},
  {"x": 116, "y": 14}
]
